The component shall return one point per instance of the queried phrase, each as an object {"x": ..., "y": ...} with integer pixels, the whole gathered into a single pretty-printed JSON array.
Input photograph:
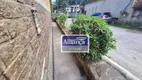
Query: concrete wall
[
  {"x": 134, "y": 15},
  {"x": 137, "y": 16},
  {"x": 113, "y": 6},
  {"x": 22, "y": 52}
]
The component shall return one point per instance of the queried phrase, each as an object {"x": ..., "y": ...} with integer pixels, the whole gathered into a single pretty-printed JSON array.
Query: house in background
[
  {"x": 73, "y": 10},
  {"x": 124, "y": 10}
]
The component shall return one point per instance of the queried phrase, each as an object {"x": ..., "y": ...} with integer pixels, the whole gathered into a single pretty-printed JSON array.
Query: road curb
[
  {"x": 122, "y": 70},
  {"x": 63, "y": 31}
]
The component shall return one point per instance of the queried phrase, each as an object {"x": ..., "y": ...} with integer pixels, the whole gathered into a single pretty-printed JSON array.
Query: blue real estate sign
[{"x": 75, "y": 43}]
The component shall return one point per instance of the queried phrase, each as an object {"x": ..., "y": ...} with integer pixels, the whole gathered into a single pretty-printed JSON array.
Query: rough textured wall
[
  {"x": 137, "y": 16},
  {"x": 134, "y": 15},
  {"x": 22, "y": 52},
  {"x": 129, "y": 10}
]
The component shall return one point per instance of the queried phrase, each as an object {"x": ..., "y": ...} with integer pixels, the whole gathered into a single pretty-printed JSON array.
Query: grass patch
[{"x": 128, "y": 25}]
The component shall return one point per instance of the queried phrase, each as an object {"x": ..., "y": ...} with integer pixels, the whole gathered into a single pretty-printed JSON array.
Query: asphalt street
[{"x": 129, "y": 50}]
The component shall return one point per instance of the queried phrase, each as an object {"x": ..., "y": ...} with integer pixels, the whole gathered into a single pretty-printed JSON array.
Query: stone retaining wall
[{"x": 22, "y": 51}]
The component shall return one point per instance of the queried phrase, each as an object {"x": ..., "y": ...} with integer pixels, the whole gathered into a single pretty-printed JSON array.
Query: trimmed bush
[
  {"x": 100, "y": 36},
  {"x": 61, "y": 19}
]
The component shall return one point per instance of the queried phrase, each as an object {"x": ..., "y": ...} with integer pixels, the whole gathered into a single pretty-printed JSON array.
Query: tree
[
  {"x": 54, "y": 5},
  {"x": 61, "y": 3},
  {"x": 64, "y": 3},
  {"x": 80, "y": 2}
]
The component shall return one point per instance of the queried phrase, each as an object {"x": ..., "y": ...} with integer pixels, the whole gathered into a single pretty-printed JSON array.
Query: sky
[{"x": 53, "y": 0}]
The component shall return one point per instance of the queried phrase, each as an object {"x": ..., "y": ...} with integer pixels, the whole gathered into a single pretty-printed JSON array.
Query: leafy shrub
[
  {"x": 101, "y": 38},
  {"x": 61, "y": 19}
]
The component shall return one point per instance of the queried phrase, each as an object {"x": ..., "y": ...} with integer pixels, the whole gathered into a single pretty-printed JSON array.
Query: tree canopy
[
  {"x": 63, "y": 3},
  {"x": 80, "y": 2}
]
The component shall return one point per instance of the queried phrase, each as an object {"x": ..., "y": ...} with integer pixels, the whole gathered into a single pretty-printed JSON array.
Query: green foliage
[
  {"x": 100, "y": 37},
  {"x": 61, "y": 19},
  {"x": 80, "y": 2},
  {"x": 60, "y": 4}
]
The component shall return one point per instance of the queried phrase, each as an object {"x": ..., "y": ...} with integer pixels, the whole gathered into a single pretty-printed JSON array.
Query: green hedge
[
  {"x": 61, "y": 19},
  {"x": 101, "y": 38}
]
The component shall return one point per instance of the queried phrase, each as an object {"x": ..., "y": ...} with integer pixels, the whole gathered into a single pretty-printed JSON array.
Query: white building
[{"x": 73, "y": 10}]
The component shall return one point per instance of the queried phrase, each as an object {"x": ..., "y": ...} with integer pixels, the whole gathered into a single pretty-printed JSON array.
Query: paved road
[
  {"x": 65, "y": 67},
  {"x": 129, "y": 50}
]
